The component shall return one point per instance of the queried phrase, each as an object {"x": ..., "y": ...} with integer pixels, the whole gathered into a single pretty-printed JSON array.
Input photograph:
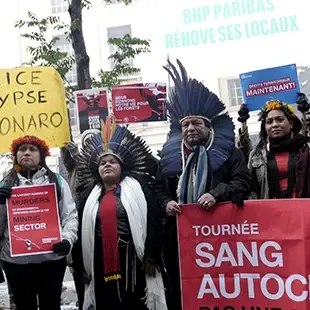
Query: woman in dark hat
[
  {"x": 36, "y": 277},
  {"x": 280, "y": 162}
]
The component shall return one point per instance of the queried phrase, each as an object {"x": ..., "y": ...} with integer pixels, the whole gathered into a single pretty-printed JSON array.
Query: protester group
[{"x": 119, "y": 208}]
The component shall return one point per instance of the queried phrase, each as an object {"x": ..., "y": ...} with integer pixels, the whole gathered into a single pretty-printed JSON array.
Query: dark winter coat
[{"x": 230, "y": 179}]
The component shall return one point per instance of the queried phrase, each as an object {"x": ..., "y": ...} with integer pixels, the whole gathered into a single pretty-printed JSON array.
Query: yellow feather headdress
[{"x": 276, "y": 105}]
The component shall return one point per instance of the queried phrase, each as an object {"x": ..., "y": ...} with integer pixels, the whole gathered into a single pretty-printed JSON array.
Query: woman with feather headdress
[
  {"x": 199, "y": 162},
  {"x": 119, "y": 246}
]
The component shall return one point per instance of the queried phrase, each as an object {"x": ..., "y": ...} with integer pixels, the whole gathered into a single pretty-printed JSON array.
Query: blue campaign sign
[{"x": 278, "y": 83}]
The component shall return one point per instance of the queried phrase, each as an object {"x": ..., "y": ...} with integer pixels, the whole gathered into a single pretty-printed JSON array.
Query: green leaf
[
  {"x": 44, "y": 52},
  {"x": 86, "y": 4}
]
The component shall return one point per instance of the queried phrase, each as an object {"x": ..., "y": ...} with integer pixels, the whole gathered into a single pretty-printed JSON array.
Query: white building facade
[{"x": 216, "y": 40}]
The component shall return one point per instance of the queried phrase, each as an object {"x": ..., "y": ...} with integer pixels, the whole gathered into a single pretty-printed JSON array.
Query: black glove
[
  {"x": 5, "y": 192},
  {"x": 243, "y": 113},
  {"x": 73, "y": 149},
  {"x": 302, "y": 103},
  {"x": 62, "y": 248},
  {"x": 238, "y": 199}
]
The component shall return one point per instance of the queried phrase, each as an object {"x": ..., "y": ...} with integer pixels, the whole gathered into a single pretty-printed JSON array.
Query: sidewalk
[{"x": 68, "y": 296}]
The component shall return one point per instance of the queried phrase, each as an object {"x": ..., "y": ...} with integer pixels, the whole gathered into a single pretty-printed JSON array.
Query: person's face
[
  {"x": 277, "y": 125},
  {"x": 110, "y": 170},
  {"x": 93, "y": 102},
  {"x": 28, "y": 156},
  {"x": 194, "y": 131}
]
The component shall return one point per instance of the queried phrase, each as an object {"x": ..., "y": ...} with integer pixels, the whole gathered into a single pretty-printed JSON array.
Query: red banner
[
  {"x": 92, "y": 106},
  {"x": 255, "y": 257},
  {"x": 33, "y": 220},
  {"x": 141, "y": 102}
]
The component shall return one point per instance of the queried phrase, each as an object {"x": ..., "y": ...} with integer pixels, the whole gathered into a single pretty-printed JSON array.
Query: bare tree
[{"x": 81, "y": 57}]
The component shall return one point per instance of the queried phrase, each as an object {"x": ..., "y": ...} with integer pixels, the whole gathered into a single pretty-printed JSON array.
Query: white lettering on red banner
[
  {"x": 259, "y": 262},
  {"x": 33, "y": 220}
]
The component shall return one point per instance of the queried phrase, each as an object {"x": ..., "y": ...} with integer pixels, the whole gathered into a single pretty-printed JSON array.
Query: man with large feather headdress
[{"x": 199, "y": 162}]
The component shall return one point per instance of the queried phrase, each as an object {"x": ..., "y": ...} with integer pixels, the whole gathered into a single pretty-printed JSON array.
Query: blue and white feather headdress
[
  {"x": 132, "y": 152},
  {"x": 189, "y": 98}
]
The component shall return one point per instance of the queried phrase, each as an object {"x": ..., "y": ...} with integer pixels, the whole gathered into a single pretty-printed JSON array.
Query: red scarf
[{"x": 109, "y": 232}]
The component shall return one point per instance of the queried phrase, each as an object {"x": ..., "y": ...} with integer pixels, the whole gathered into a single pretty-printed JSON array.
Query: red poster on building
[
  {"x": 255, "y": 257},
  {"x": 92, "y": 107},
  {"x": 33, "y": 220},
  {"x": 141, "y": 102}
]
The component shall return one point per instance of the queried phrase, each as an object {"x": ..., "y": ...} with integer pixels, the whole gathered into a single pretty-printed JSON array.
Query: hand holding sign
[
  {"x": 62, "y": 248},
  {"x": 243, "y": 113},
  {"x": 73, "y": 149},
  {"x": 172, "y": 208}
]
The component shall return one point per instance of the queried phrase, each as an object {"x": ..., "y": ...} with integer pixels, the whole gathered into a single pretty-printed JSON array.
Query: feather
[
  {"x": 170, "y": 156},
  {"x": 189, "y": 97},
  {"x": 136, "y": 157},
  {"x": 224, "y": 140},
  {"x": 108, "y": 127},
  {"x": 103, "y": 130}
]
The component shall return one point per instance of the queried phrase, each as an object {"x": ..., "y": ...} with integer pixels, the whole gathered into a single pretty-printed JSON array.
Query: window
[
  {"x": 118, "y": 32},
  {"x": 115, "y": 1},
  {"x": 234, "y": 91},
  {"x": 59, "y": 6},
  {"x": 304, "y": 79},
  {"x": 65, "y": 46},
  {"x": 73, "y": 114}
]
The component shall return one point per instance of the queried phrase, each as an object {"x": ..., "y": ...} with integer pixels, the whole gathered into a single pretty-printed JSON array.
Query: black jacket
[{"x": 230, "y": 179}]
